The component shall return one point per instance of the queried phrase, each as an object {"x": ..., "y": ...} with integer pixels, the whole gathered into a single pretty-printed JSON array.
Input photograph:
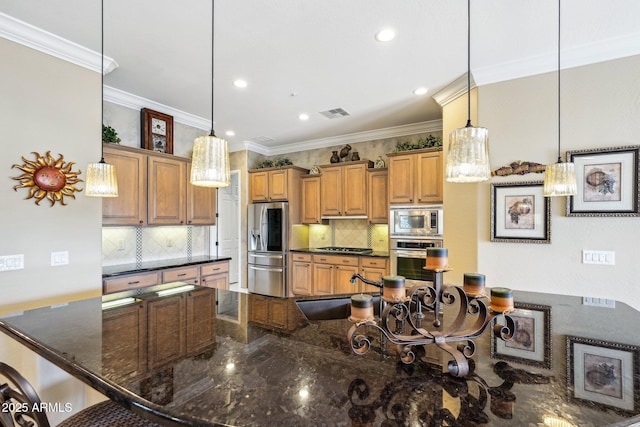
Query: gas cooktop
[{"x": 341, "y": 249}]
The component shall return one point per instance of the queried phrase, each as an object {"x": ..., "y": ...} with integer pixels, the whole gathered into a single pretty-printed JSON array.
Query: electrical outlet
[
  {"x": 59, "y": 258},
  {"x": 169, "y": 242},
  {"x": 121, "y": 245}
]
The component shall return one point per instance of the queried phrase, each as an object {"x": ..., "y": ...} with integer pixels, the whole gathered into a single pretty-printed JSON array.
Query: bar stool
[{"x": 20, "y": 404}]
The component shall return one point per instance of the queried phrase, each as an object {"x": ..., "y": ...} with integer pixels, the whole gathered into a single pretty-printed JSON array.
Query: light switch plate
[
  {"x": 59, "y": 258},
  {"x": 598, "y": 257},
  {"x": 11, "y": 262}
]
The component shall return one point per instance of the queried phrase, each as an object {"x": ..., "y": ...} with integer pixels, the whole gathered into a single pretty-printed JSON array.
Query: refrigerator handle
[{"x": 263, "y": 228}]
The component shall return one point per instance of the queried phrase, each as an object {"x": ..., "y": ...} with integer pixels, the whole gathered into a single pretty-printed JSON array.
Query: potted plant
[{"x": 110, "y": 135}]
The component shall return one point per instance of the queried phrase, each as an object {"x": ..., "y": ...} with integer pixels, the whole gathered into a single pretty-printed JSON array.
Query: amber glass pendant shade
[
  {"x": 468, "y": 155},
  {"x": 101, "y": 180},
  {"x": 210, "y": 162}
]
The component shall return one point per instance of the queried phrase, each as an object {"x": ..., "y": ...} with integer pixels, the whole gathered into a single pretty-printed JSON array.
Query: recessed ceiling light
[
  {"x": 230, "y": 133},
  {"x": 420, "y": 91},
  {"x": 240, "y": 83},
  {"x": 303, "y": 116},
  {"x": 385, "y": 35}
]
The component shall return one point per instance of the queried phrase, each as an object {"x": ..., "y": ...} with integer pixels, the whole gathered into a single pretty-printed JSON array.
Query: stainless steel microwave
[{"x": 416, "y": 221}]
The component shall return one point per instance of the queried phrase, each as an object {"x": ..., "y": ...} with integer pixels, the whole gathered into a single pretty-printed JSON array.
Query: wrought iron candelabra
[{"x": 403, "y": 319}]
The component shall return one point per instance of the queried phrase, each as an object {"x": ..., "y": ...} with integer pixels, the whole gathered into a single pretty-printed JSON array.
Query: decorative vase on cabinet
[{"x": 334, "y": 157}]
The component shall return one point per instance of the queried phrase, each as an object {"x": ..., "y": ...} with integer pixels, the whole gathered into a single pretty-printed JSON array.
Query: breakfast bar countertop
[
  {"x": 119, "y": 269},
  {"x": 251, "y": 376}
]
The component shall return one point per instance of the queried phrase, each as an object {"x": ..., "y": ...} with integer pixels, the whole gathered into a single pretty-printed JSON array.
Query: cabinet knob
[{"x": 141, "y": 221}]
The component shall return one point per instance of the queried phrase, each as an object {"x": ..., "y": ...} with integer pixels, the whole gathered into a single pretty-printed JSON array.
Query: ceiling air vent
[{"x": 335, "y": 113}]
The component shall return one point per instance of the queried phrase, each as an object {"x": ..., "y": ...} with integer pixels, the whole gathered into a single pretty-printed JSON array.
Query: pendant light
[
  {"x": 559, "y": 178},
  {"x": 101, "y": 176},
  {"x": 210, "y": 159},
  {"x": 468, "y": 155}
]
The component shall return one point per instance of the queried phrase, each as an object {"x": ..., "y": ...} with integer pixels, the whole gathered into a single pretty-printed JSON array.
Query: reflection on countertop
[
  {"x": 252, "y": 376},
  {"x": 115, "y": 270}
]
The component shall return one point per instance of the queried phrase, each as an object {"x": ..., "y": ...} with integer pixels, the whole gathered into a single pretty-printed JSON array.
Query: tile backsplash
[
  {"x": 127, "y": 245},
  {"x": 353, "y": 233}
]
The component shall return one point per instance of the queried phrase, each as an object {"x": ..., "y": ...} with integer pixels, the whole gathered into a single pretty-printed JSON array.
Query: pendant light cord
[
  {"x": 469, "y": 64},
  {"x": 559, "y": 157},
  {"x": 213, "y": 133},
  {"x": 101, "y": 78}
]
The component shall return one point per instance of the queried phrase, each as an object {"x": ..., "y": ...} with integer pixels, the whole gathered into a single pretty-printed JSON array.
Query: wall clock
[{"x": 157, "y": 131}]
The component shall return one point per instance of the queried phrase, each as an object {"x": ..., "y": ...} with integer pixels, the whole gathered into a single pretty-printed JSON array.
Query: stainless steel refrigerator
[{"x": 268, "y": 241}]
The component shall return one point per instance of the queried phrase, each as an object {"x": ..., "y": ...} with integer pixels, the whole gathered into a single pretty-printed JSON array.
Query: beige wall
[
  {"x": 600, "y": 108},
  {"x": 47, "y": 104}
]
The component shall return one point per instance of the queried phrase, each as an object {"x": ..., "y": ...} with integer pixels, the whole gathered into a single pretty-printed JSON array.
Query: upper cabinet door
[
  {"x": 428, "y": 185},
  {"x": 167, "y": 191},
  {"x": 201, "y": 203},
  {"x": 130, "y": 207},
  {"x": 378, "y": 206},
  {"x": 401, "y": 179},
  {"x": 259, "y": 186},
  {"x": 354, "y": 199},
  {"x": 278, "y": 186},
  {"x": 311, "y": 200},
  {"x": 331, "y": 191}
]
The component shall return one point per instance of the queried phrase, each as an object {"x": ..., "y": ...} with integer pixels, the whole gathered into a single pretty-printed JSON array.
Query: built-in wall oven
[{"x": 407, "y": 259}]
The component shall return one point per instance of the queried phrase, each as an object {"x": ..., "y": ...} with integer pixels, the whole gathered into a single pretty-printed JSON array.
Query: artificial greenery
[
  {"x": 428, "y": 141},
  {"x": 110, "y": 135},
  {"x": 278, "y": 163}
]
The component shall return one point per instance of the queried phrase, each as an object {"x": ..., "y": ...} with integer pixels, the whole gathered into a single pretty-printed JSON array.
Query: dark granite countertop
[
  {"x": 116, "y": 270},
  {"x": 253, "y": 376},
  {"x": 379, "y": 254}
]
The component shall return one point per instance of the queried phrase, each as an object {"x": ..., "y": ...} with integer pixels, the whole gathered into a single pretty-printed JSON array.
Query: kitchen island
[{"x": 214, "y": 372}]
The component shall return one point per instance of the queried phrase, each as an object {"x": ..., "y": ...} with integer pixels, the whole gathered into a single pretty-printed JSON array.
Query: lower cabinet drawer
[
  {"x": 125, "y": 283},
  {"x": 179, "y": 274},
  {"x": 214, "y": 268}
]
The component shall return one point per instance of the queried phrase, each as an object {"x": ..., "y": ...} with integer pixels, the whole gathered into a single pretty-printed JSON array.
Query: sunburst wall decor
[{"x": 48, "y": 177}]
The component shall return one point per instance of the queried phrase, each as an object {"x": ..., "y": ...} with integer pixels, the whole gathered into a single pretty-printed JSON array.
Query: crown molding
[
  {"x": 351, "y": 138},
  {"x": 591, "y": 53},
  {"x": 135, "y": 102},
  {"x": 456, "y": 88},
  {"x": 43, "y": 41}
]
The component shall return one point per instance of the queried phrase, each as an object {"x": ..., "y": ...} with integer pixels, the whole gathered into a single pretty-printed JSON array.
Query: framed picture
[
  {"x": 157, "y": 131},
  {"x": 603, "y": 374},
  {"x": 520, "y": 213},
  {"x": 607, "y": 181},
  {"x": 531, "y": 345}
]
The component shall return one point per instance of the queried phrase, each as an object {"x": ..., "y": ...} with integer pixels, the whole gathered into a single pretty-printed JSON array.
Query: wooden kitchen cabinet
[
  {"x": 181, "y": 274},
  {"x": 166, "y": 340},
  {"x": 130, "y": 207},
  {"x": 153, "y": 189},
  {"x": 332, "y": 274},
  {"x": 275, "y": 184},
  {"x": 375, "y": 269},
  {"x": 167, "y": 186},
  {"x": 378, "y": 197},
  {"x": 124, "y": 340},
  {"x": 415, "y": 177},
  {"x": 215, "y": 275},
  {"x": 311, "y": 199},
  {"x": 343, "y": 189},
  {"x": 301, "y": 274},
  {"x": 200, "y": 320},
  {"x": 201, "y": 203},
  {"x": 127, "y": 282},
  {"x": 274, "y": 313}
]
